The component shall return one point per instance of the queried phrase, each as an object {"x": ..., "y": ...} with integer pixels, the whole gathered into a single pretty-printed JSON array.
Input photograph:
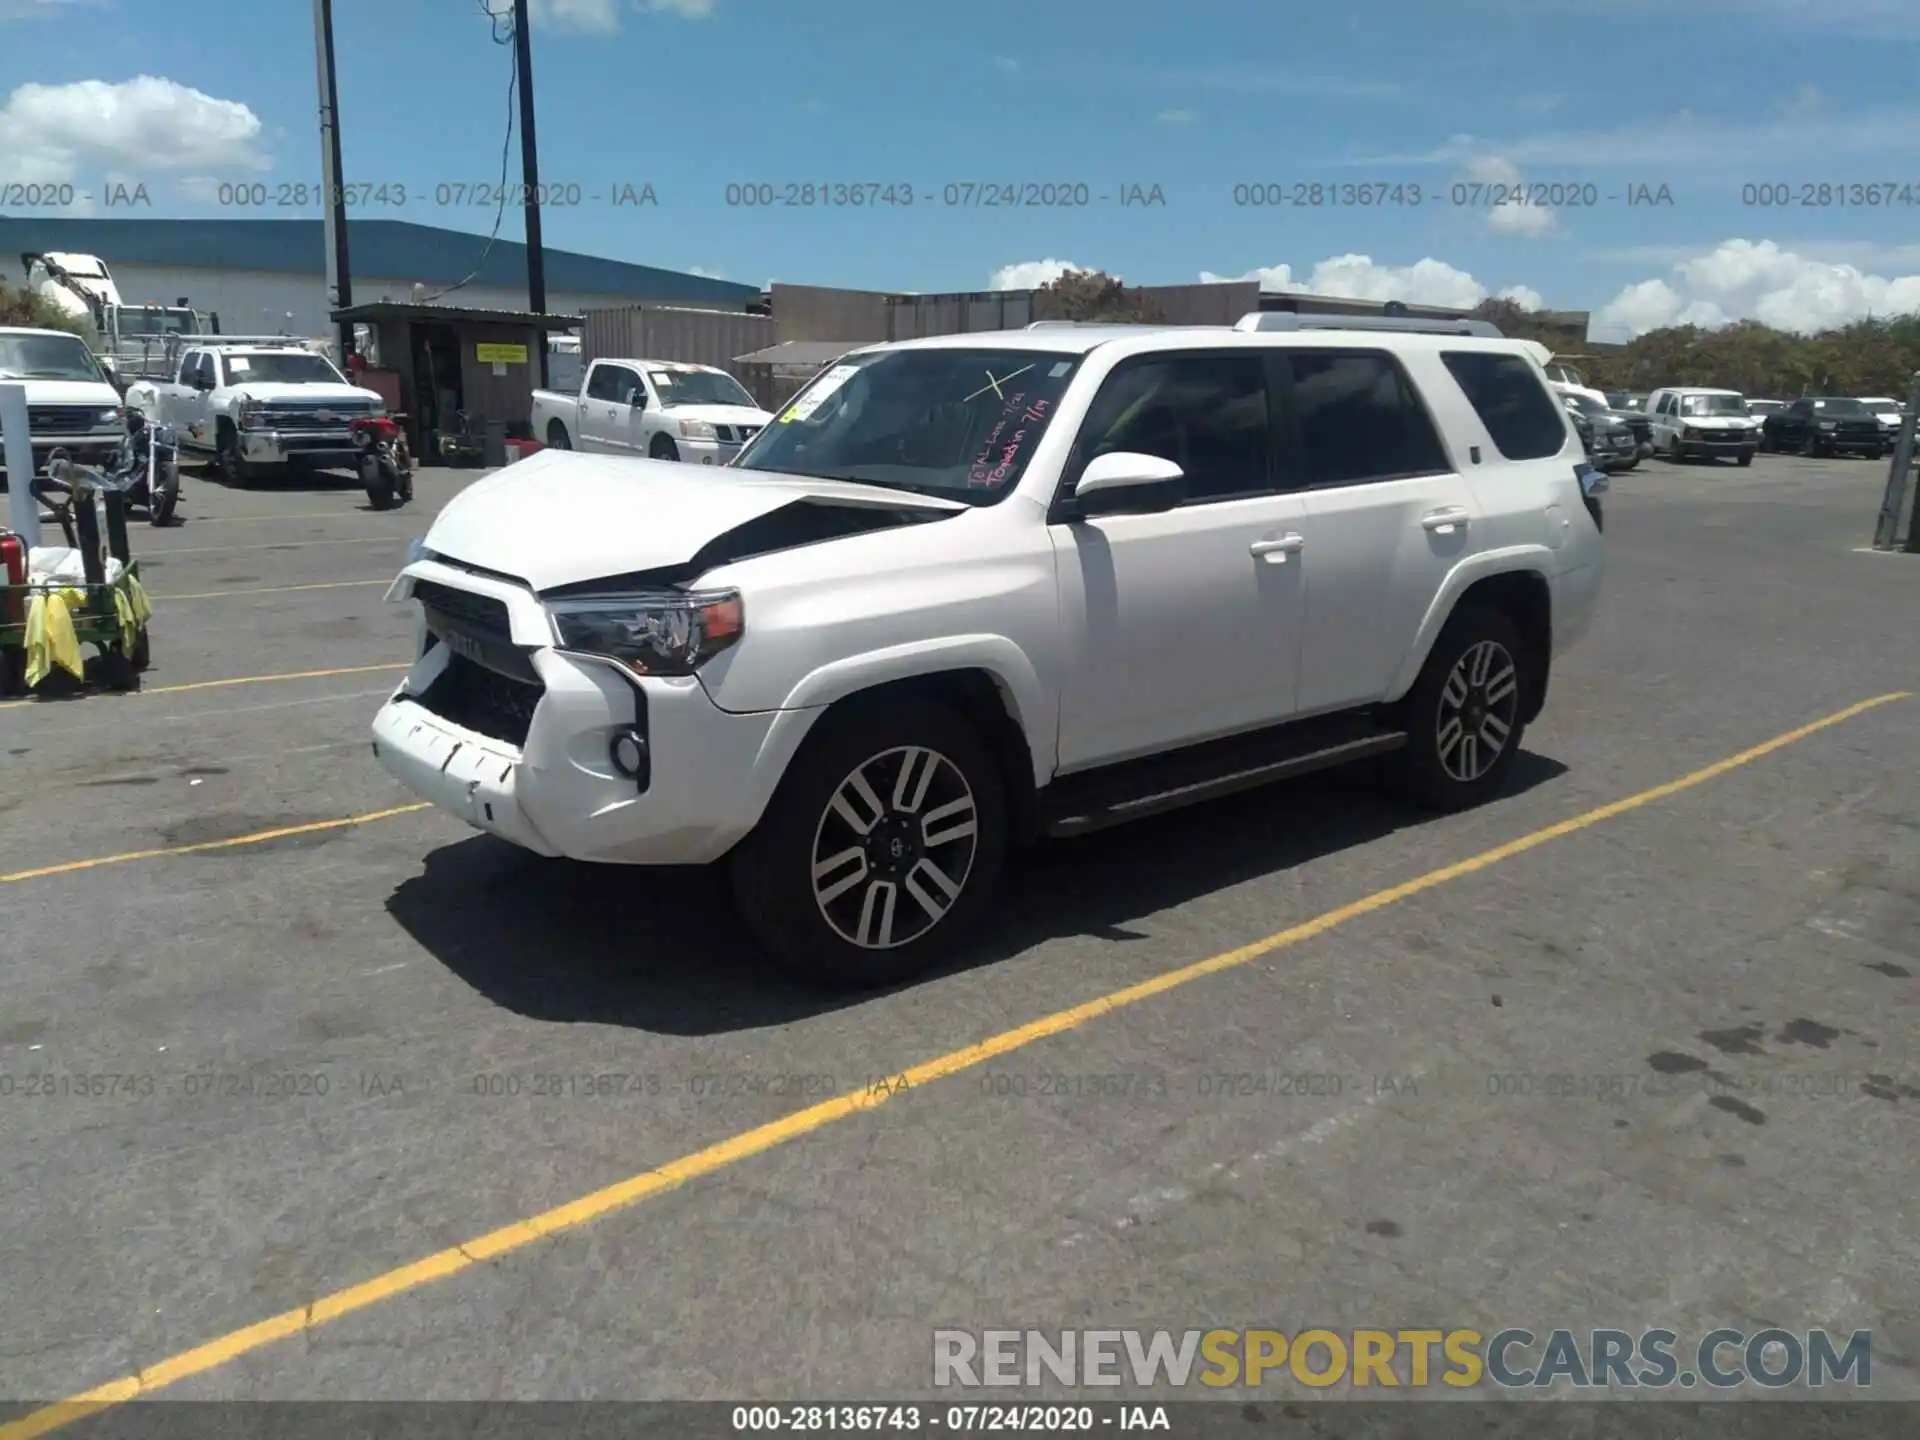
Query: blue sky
[{"x": 1598, "y": 98}]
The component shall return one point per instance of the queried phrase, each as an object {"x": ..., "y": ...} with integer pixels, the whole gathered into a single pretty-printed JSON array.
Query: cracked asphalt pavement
[{"x": 1660, "y": 1071}]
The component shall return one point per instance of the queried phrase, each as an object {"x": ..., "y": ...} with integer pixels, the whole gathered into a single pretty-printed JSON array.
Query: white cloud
[
  {"x": 54, "y": 132},
  {"x": 1525, "y": 296},
  {"x": 1760, "y": 280},
  {"x": 1873, "y": 19},
  {"x": 1176, "y": 117},
  {"x": 689, "y": 9},
  {"x": 1263, "y": 80},
  {"x": 1511, "y": 216},
  {"x": 1805, "y": 101},
  {"x": 1357, "y": 277},
  {"x": 705, "y": 273},
  {"x": 1030, "y": 274},
  {"x": 1007, "y": 64},
  {"x": 582, "y": 17}
]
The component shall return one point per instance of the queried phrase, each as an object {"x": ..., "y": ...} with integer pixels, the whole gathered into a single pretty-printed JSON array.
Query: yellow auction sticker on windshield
[{"x": 821, "y": 391}]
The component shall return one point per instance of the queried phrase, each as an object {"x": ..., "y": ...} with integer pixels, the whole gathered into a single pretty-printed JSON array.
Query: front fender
[
  {"x": 999, "y": 657},
  {"x": 1534, "y": 559}
]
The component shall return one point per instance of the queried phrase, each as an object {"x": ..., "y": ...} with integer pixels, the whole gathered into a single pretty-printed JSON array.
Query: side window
[
  {"x": 1206, "y": 413},
  {"x": 1360, "y": 419},
  {"x": 210, "y": 368},
  {"x": 1511, "y": 403},
  {"x": 189, "y": 366},
  {"x": 600, "y": 384}
]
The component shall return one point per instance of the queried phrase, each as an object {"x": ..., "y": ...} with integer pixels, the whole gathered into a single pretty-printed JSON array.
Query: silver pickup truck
[
  {"x": 70, "y": 404},
  {"x": 258, "y": 406}
]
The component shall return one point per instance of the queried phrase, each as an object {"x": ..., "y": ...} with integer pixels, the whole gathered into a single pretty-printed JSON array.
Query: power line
[{"x": 496, "y": 20}]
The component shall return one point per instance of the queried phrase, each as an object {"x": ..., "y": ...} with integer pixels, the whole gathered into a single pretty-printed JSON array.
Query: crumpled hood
[{"x": 561, "y": 516}]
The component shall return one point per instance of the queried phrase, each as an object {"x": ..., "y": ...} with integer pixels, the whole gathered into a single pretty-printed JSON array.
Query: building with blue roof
[{"x": 269, "y": 276}]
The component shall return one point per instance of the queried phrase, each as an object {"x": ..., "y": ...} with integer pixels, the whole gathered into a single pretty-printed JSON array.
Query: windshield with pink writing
[{"x": 959, "y": 423}]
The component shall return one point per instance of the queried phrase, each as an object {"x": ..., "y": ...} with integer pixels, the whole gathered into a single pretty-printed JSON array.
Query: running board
[{"x": 1096, "y": 800}]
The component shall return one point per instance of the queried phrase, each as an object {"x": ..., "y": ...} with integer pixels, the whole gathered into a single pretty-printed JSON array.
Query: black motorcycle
[
  {"x": 386, "y": 465},
  {"x": 148, "y": 467}
]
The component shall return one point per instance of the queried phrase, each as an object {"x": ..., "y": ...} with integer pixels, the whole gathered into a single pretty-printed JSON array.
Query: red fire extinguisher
[{"x": 13, "y": 564}]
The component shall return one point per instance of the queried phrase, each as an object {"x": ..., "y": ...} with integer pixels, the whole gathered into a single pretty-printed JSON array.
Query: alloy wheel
[
  {"x": 887, "y": 870},
  {"x": 1477, "y": 708}
]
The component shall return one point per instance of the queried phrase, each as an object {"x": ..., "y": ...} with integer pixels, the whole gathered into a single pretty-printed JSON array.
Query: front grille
[
  {"x": 310, "y": 417},
  {"x": 1642, "y": 429},
  {"x": 735, "y": 434},
  {"x": 480, "y": 613},
  {"x": 62, "y": 419},
  {"x": 483, "y": 701}
]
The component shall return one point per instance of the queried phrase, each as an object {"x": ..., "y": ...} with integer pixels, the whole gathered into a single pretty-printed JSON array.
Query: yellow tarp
[{"x": 50, "y": 638}]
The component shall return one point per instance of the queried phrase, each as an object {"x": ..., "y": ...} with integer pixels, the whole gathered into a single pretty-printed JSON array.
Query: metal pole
[
  {"x": 22, "y": 504},
  {"x": 339, "y": 281},
  {"x": 1886, "y": 532},
  {"x": 530, "y": 177}
]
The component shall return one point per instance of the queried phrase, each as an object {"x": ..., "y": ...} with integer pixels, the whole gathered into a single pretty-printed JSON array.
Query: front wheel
[
  {"x": 1746, "y": 459},
  {"x": 1463, "y": 715},
  {"x": 663, "y": 448},
  {"x": 234, "y": 467},
  {"x": 879, "y": 851},
  {"x": 165, "y": 496}
]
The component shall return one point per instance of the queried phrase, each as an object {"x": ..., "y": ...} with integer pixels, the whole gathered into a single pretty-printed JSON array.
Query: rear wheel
[
  {"x": 880, "y": 849},
  {"x": 165, "y": 495},
  {"x": 1746, "y": 458},
  {"x": 380, "y": 480},
  {"x": 557, "y": 437},
  {"x": 1462, "y": 716}
]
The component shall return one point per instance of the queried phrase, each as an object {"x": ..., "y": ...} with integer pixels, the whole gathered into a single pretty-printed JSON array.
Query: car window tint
[
  {"x": 1359, "y": 419},
  {"x": 604, "y": 383},
  {"x": 1511, "y": 402},
  {"x": 1205, "y": 413}
]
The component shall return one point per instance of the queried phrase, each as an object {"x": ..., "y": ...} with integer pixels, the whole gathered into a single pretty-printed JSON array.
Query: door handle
[
  {"x": 1445, "y": 520},
  {"x": 1275, "y": 552}
]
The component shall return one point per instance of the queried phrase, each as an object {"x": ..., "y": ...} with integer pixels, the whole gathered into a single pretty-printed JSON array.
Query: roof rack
[{"x": 1288, "y": 320}]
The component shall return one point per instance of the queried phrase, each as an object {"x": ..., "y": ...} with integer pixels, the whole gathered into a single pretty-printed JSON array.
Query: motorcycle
[
  {"x": 385, "y": 464},
  {"x": 147, "y": 466}
]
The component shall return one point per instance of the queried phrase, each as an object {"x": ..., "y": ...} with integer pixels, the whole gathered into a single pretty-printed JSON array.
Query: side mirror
[{"x": 1125, "y": 482}]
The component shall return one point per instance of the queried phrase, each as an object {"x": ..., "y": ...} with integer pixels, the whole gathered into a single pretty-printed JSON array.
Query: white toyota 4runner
[{"x": 973, "y": 590}]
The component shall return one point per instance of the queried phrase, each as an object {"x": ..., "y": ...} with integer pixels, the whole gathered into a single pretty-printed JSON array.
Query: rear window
[
  {"x": 1506, "y": 393},
  {"x": 1359, "y": 419}
]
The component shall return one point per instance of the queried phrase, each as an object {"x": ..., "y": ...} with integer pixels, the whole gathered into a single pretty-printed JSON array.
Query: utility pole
[
  {"x": 530, "y": 178},
  {"x": 339, "y": 281}
]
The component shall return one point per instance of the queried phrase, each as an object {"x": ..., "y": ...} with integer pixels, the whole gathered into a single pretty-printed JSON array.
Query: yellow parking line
[
  {"x": 163, "y": 852},
  {"x": 244, "y": 680},
  {"x": 273, "y": 589},
  {"x": 631, "y": 1191}
]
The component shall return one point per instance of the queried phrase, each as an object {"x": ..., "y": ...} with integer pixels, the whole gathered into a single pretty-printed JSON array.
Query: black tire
[
  {"x": 1430, "y": 768},
  {"x": 557, "y": 437},
  {"x": 142, "y": 656},
  {"x": 232, "y": 465},
  {"x": 663, "y": 448},
  {"x": 117, "y": 671},
  {"x": 1745, "y": 459},
  {"x": 161, "y": 503},
  {"x": 1810, "y": 447},
  {"x": 13, "y": 671},
  {"x": 773, "y": 872},
  {"x": 379, "y": 478}
]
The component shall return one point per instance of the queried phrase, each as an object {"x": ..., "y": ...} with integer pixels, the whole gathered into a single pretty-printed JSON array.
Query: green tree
[
  {"x": 22, "y": 307},
  {"x": 1093, "y": 295}
]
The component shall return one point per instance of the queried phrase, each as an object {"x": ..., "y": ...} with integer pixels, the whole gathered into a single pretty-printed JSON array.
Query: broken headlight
[{"x": 659, "y": 633}]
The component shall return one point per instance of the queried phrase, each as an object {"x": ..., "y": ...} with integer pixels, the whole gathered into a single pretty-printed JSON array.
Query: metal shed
[{"x": 437, "y": 360}]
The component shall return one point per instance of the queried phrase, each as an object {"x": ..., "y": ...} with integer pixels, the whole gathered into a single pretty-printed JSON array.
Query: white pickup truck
[
  {"x": 651, "y": 408},
  {"x": 257, "y": 406},
  {"x": 70, "y": 404}
]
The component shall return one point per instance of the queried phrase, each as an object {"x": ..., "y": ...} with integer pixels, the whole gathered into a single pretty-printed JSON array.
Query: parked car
[
  {"x": 71, "y": 404},
  {"x": 1608, "y": 436},
  {"x": 1889, "y": 412},
  {"x": 1624, "y": 400},
  {"x": 655, "y": 408},
  {"x": 1693, "y": 423},
  {"x": 1826, "y": 425},
  {"x": 255, "y": 407},
  {"x": 936, "y": 611}
]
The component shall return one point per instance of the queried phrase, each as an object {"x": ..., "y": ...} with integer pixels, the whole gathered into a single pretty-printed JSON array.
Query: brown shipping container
[{"x": 663, "y": 332}]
